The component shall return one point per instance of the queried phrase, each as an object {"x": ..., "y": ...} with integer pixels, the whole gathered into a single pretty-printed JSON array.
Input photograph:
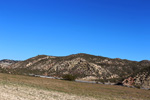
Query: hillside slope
[
  {"x": 20, "y": 87},
  {"x": 6, "y": 63},
  {"x": 83, "y": 66}
]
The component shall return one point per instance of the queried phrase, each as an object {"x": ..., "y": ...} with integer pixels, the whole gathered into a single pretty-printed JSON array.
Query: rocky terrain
[
  {"x": 143, "y": 78},
  {"x": 6, "y": 63},
  {"x": 86, "y": 67}
]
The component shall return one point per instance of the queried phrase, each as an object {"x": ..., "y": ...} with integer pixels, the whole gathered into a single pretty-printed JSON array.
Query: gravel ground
[{"x": 16, "y": 92}]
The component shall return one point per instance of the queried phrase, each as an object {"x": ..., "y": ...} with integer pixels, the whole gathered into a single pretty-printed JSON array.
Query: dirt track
[{"x": 15, "y": 92}]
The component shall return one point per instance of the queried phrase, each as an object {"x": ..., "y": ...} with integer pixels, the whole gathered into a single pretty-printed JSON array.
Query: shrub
[{"x": 69, "y": 77}]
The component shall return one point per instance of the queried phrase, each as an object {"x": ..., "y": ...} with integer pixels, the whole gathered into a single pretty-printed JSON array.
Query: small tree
[{"x": 69, "y": 77}]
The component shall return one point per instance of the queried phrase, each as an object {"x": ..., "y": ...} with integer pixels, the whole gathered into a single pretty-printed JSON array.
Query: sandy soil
[{"x": 16, "y": 92}]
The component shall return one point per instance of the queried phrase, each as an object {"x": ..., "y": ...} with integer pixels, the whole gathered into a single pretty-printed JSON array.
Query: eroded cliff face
[
  {"x": 143, "y": 78},
  {"x": 129, "y": 82},
  {"x": 140, "y": 79}
]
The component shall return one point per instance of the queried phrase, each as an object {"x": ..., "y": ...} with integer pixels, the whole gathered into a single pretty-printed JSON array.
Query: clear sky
[{"x": 110, "y": 28}]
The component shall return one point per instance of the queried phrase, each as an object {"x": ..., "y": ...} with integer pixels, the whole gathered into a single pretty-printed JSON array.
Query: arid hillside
[
  {"x": 6, "y": 63},
  {"x": 84, "y": 67}
]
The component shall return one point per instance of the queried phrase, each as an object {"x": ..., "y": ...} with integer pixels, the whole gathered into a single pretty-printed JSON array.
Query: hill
[
  {"x": 6, "y": 63},
  {"x": 84, "y": 67}
]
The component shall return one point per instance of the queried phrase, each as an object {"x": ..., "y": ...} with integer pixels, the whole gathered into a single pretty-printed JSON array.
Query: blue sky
[{"x": 110, "y": 28}]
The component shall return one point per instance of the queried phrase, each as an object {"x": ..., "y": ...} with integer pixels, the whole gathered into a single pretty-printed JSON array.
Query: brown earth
[
  {"x": 16, "y": 92},
  {"x": 20, "y": 87}
]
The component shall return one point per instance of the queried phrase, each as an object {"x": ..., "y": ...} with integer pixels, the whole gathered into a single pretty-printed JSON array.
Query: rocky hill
[
  {"x": 6, "y": 63},
  {"x": 140, "y": 79},
  {"x": 84, "y": 67}
]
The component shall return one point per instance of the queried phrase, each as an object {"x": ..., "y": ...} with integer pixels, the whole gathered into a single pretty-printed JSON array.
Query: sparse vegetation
[
  {"x": 97, "y": 91},
  {"x": 82, "y": 66},
  {"x": 69, "y": 77}
]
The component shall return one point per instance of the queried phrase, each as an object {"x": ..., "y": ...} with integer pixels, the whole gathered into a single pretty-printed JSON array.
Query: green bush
[{"x": 69, "y": 77}]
